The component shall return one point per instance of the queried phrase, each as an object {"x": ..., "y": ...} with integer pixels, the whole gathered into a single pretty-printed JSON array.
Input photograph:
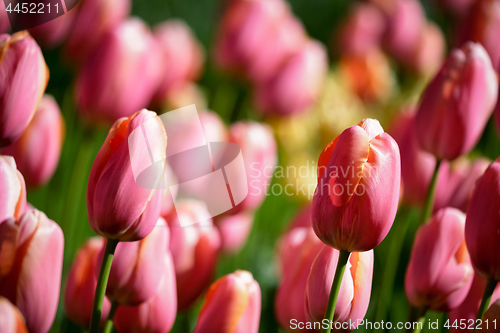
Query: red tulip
[
  {"x": 234, "y": 230},
  {"x": 13, "y": 194},
  {"x": 31, "y": 252},
  {"x": 11, "y": 319},
  {"x": 232, "y": 305},
  {"x": 22, "y": 84},
  {"x": 358, "y": 188},
  {"x": 117, "y": 207}
]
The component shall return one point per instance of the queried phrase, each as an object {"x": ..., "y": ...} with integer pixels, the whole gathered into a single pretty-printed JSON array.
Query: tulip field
[{"x": 245, "y": 166}]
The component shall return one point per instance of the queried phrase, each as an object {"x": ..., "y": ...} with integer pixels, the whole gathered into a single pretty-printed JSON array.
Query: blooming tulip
[
  {"x": 358, "y": 188},
  {"x": 11, "y": 320},
  {"x": 117, "y": 207},
  {"x": 31, "y": 255},
  {"x": 157, "y": 315},
  {"x": 13, "y": 194},
  {"x": 121, "y": 76},
  {"x": 194, "y": 249},
  {"x": 355, "y": 288},
  {"x": 483, "y": 223},
  {"x": 81, "y": 284},
  {"x": 38, "y": 149},
  {"x": 234, "y": 230},
  {"x": 439, "y": 274},
  {"x": 457, "y": 103},
  {"x": 232, "y": 305},
  {"x": 22, "y": 84}
]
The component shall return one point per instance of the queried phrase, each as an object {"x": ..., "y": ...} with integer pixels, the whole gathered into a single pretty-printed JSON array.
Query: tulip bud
[
  {"x": 54, "y": 32},
  {"x": 297, "y": 84},
  {"x": 483, "y": 221},
  {"x": 194, "y": 249},
  {"x": 117, "y": 207},
  {"x": 357, "y": 196},
  {"x": 439, "y": 274},
  {"x": 11, "y": 319},
  {"x": 491, "y": 318},
  {"x": 38, "y": 149},
  {"x": 429, "y": 52},
  {"x": 31, "y": 252},
  {"x": 95, "y": 18},
  {"x": 234, "y": 230},
  {"x": 232, "y": 305},
  {"x": 121, "y": 75},
  {"x": 13, "y": 194},
  {"x": 157, "y": 315},
  {"x": 22, "y": 84},
  {"x": 355, "y": 288},
  {"x": 81, "y": 284},
  {"x": 457, "y": 103}
]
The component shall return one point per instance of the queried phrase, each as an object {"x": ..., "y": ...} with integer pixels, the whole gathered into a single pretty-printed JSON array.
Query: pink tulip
[
  {"x": 194, "y": 250},
  {"x": 232, "y": 305},
  {"x": 429, "y": 52},
  {"x": 169, "y": 194},
  {"x": 355, "y": 288},
  {"x": 38, "y": 149},
  {"x": 22, "y": 84},
  {"x": 234, "y": 230},
  {"x": 81, "y": 284},
  {"x": 439, "y": 274},
  {"x": 491, "y": 318},
  {"x": 121, "y": 75},
  {"x": 11, "y": 319},
  {"x": 94, "y": 19},
  {"x": 157, "y": 315},
  {"x": 54, "y": 32},
  {"x": 357, "y": 196},
  {"x": 13, "y": 194},
  {"x": 457, "y": 103},
  {"x": 483, "y": 221},
  {"x": 31, "y": 252},
  {"x": 297, "y": 84},
  {"x": 117, "y": 207},
  {"x": 297, "y": 250},
  {"x": 4, "y": 19}
]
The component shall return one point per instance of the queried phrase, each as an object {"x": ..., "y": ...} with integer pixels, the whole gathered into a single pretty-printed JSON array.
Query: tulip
[
  {"x": 232, "y": 305},
  {"x": 457, "y": 7},
  {"x": 38, "y": 149},
  {"x": 157, "y": 315},
  {"x": 4, "y": 19},
  {"x": 491, "y": 318},
  {"x": 234, "y": 230},
  {"x": 31, "y": 252},
  {"x": 429, "y": 51},
  {"x": 186, "y": 94},
  {"x": 121, "y": 75},
  {"x": 297, "y": 250},
  {"x": 194, "y": 251},
  {"x": 22, "y": 84},
  {"x": 439, "y": 274},
  {"x": 355, "y": 289},
  {"x": 457, "y": 103},
  {"x": 298, "y": 83},
  {"x": 94, "y": 19},
  {"x": 11, "y": 319},
  {"x": 169, "y": 194},
  {"x": 54, "y": 32},
  {"x": 81, "y": 284},
  {"x": 358, "y": 188},
  {"x": 302, "y": 219},
  {"x": 13, "y": 194},
  {"x": 117, "y": 207}
]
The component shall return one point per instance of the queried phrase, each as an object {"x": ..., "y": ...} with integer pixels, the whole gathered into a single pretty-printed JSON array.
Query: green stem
[
  {"x": 102, "y": 282},
  {"x": 431, "y": 195},
  {"x": 108, "y": 327},
  {"x": 488, "y": 292},
  {"x": 334, "y": 293},
  {"x": 417, "y": 319}
]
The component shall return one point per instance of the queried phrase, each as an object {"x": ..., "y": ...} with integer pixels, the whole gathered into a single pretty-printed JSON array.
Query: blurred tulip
[
  {"x": 358, "y": 188},
  {"x": 234, "y": 230},
  {"x": 81, "y": 284},
  {"x": 297, "y": 250},
  {"x": 429, "y": 52},
  {"x": 121, "y": 75},
  {"x": 232, "y": 305},
  {"x": 22, "y": 84},
  {"x": 458, "y": 7},
  {"x": 11, "y": 320},
  {"x": 439, "y": 274},
  {"x": 94, "y": 19},
  {"x": 355, "y": 288},
  {"x": 194, "y": 250},
  {"x": 186, "y": 94},
  {"x": 457, "y": 103},
  {"x": 31, "y": 252},
  {"x": 54, "y": 32},
  {"x": 4, "y": 19},
  {"x": 157, "y": 315},
  {"x": 491, "y": 318},
  {"x": 483, "y": 221},
  {"x": 297, "y": 84},
  {"x": 117, "y": 207},
  {"x": 303, "y": 219},
  {"x": 13, "y": 194},
  {"x": 38, "y": 149}
]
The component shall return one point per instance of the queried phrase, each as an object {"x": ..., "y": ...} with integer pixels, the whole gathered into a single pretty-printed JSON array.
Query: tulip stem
[
  {"x": 431, "y": 195},
  {"x": 109, "y": 321},
  {"x": 102, "y": 282},
  {"x": 334, "y": 293},
  {"x": 488, "y": 292}
]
